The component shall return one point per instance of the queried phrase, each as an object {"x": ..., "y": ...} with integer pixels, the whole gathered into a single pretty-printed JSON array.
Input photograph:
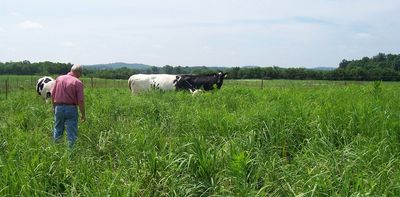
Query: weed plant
[{"x": 291, "y": 138}]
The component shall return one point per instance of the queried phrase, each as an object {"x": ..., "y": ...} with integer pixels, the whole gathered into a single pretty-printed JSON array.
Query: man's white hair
[{"x": 77, "y": 68}]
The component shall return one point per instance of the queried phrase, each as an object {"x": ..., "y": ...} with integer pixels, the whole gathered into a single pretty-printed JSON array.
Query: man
[{"x": 66, "y": 95}]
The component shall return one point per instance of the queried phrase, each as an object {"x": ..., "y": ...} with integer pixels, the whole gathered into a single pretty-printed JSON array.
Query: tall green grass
[{"x": 292, "y": 138}]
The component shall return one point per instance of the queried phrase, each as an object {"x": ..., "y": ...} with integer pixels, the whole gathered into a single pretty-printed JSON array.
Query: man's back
[{"x": 68, "y": 90}]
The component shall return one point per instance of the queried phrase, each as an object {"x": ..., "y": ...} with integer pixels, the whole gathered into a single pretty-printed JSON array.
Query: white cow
[
  {"x": 44, "y": 87},
  {"x": 144, "y": 82}
]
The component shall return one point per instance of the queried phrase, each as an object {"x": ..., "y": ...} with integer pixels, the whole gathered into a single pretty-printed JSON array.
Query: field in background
[
  {"x": 18, "y": 82},
  {"x": 291, "y": 138}
]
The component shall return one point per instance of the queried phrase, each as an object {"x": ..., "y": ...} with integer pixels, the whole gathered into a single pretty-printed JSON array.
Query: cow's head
[{"x": 220, "y": 78}]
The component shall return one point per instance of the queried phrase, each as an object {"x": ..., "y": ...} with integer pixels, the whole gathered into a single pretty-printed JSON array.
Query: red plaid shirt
[{"x": 67, "y": 90}]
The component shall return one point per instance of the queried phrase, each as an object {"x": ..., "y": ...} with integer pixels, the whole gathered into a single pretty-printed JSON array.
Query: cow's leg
[
  {"x": 48, "y": 96},
  {"x": 195, "y": 91},
  {"x": 207, "y": 87}
]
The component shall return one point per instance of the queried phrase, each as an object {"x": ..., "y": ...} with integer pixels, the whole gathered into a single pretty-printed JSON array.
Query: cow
[
  {"x": 196, "y": 82},
  {"x": 143, "y": 82},
  {"x": 44, "y": 87}
]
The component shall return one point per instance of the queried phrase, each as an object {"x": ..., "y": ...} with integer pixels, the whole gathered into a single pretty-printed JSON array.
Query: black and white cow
[
  {"x": 196, "y": 82},
  {"x": 143, "y": 82},
  {"x": 44, "y": 87}
]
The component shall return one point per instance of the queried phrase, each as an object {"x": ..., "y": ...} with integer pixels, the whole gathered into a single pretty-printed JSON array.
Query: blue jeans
[{"x": 66, "y": 115}]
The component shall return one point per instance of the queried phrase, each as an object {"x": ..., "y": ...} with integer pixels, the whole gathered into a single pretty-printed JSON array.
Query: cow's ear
[{"x": 225, "y": 75}]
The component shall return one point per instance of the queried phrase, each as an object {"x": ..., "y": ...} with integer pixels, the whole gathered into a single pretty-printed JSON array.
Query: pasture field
[
  {"x": 291, "y": 138},
  {"x": 22, "y": 82}
]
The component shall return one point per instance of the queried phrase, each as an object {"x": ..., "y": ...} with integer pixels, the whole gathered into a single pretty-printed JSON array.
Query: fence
[
  {"x": 104, "y": 83},
  {"x": 8, "y": 84},
  {"x": 266, "y": 83}
]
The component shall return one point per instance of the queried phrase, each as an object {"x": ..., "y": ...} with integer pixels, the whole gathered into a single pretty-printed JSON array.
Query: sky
[{"x": 284, "y": 33}]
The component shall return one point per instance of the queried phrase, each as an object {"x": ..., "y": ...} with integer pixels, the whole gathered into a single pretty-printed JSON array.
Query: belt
[{"x": 64, "y": 104}]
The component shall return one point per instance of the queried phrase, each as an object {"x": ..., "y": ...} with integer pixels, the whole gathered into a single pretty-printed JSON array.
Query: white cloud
[{"x": 30, "y": 25}]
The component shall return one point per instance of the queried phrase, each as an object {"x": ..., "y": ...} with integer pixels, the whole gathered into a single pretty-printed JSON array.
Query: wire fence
[
  {"x": 268, "y": 82},
  {"x": 104, "y": 83},
  {"x": 10, "y": 83}
]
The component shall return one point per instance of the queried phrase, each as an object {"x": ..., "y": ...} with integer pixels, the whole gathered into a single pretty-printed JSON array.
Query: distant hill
[
  {"x": 216, "y": 68},
  {"x": 141, "y": 67},
  {"x": 315, "y": 68},
  {"x": 250, "y": 66},
  {"x": 119, "y": 65},
  {"x": 323, "y": 68}
]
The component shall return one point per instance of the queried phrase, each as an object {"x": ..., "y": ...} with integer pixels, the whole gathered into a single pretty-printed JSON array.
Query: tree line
[{"x": 380, "y": 67}]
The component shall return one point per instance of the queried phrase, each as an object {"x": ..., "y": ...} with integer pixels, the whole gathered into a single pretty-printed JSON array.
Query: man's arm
[
  {"x": 53, "y": 93},
  {"x": 81, "y": 101}
]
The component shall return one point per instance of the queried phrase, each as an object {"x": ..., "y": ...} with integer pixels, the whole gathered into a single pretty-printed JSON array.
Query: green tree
[
  {"x": 168, "y": 69},
  {"x": 344, "y": 63}
]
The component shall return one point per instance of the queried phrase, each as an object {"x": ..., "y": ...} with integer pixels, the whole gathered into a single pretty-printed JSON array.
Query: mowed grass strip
[{"x": 290, "y": 138}]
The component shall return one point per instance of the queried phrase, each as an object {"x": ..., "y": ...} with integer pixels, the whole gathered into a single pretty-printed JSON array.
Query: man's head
[{"x": 77, "y": 69}]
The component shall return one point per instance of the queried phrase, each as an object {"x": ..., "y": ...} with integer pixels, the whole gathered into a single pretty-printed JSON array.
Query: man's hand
[
  {"x": 83, "y": 118},
  {"x": 81, "y": 105}
]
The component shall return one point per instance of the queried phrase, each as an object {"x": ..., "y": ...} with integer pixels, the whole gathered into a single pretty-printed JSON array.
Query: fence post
[
  {"x": 91, "y": 81},
  {"x": 6, "y": 88},
  {"x": 262, "y": 83}
]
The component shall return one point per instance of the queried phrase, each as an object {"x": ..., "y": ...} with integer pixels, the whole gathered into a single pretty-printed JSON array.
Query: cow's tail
[{"x": 130, "y": 83}]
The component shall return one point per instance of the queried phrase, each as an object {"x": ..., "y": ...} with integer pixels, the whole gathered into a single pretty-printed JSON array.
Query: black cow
[{"x": 194, "y": 82}]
